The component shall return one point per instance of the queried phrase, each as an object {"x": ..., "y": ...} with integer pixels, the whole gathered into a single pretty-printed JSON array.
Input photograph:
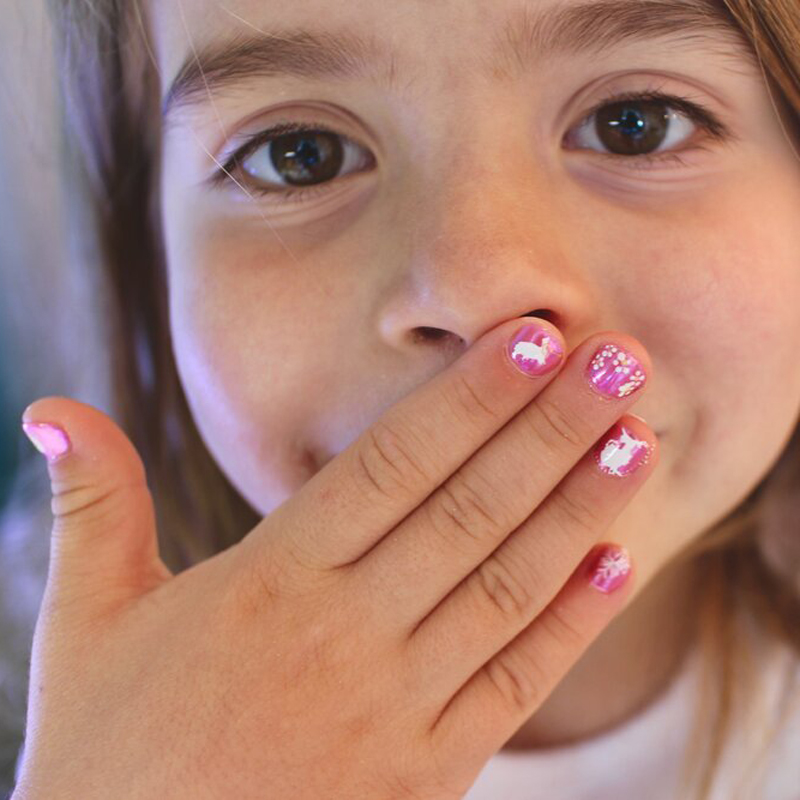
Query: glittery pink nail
[
  {"x": 620, "y": 452},
  {"x": 610, "y": 568},
  {"x": 48, "y": 439},
  {"x": 534, "y": 350},
  {"x": 614, "y": 372}
]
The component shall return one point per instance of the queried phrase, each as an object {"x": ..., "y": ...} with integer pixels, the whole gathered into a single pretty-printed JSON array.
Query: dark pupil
[
  {"x": 632, "y": 128},
  {"x": 306, "y": 157}
]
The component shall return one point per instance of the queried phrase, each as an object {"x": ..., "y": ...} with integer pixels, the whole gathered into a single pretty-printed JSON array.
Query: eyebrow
[{"x": 527, "y": 38}]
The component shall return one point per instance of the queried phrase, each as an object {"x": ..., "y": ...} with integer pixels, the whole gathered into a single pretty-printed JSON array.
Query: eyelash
[
  {"x": 697, "y": 113},
  {"x": 704, "y": 118}
]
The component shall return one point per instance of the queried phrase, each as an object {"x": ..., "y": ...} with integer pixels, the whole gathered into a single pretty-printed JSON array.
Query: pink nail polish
[
  {"x": 534, "y": 350},
  {"x": 620, "y": 452},
  {"x": 48, "y": 439},
  {"x": 610, "y": 568},
  {"x": 614, "y": 372}
]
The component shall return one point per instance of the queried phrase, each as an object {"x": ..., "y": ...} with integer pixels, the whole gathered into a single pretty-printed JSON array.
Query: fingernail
[
  {"x": 614, "y": 372},
  {"x": 610, "y": 568},
  {"x": 48, "y": 439},
  {"x": 534, "y": 350},
  {"x": 620, "y": 452}
]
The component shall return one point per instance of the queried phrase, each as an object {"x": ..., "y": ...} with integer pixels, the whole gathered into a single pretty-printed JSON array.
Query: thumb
[{"x": 103, "y": 544}]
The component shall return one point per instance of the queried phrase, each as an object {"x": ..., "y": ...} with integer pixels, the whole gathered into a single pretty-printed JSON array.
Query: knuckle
[
  {"x": 319, "y": 620},
  {"x": 518, "y": 682},
  {"x": 94, "y": 507},
  {"x": 259, "y": 582},
  {"x": 256, "y": 590},
  {"x": 421, "y": 772},
  {"x": 385, "y": 465},
  {"x": 462, "y": 511},
  {"x": 575, "y": 513},
  {"x": 555, "y": 426},
  {"x": 439, "y": 780},
  {"x": 402, "y": 785},
  {"x": 467, "y": 403},
  {"x": 294, "y": 560},
  {"x": 503, "y": 590}
]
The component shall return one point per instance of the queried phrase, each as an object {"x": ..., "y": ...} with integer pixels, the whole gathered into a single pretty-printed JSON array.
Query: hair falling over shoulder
[{"x": 749, "y": 561}]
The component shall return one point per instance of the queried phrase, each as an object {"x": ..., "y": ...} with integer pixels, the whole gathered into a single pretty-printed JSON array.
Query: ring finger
[{"x": 512, "y": 587}]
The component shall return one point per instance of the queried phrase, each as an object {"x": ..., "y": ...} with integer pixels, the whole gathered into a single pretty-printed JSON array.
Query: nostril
[
  {"x": 429, "y": 334},
  {"x": 542, "y": 313}
]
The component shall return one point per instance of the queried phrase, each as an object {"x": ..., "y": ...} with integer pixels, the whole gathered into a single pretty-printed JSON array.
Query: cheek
[
  {"x": 716, "y": 305},
  {"x": 724, "y": 299},
  {"x": 240, "y": 365},
  {"x": 714, "y": 290},
  {"x": 745, "y": 324}
]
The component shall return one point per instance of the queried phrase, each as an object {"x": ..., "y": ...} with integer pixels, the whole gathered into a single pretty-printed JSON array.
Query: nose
[{"x": 498, "y": 244}]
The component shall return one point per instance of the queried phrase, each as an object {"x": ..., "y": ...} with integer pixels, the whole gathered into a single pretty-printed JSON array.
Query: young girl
[{"x": 401, "y": 542}]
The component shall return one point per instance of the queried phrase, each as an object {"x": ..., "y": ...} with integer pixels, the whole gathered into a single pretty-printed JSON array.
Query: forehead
[{"x": 205, "y": 44}]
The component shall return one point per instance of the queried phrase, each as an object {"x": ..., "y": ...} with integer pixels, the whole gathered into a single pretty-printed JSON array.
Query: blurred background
[
  {"x": 32, "y": 241},
  {"x": 32, "y": 269},
  {"x": 52, "y": 336},
  {"x": 27, "y": 199}
]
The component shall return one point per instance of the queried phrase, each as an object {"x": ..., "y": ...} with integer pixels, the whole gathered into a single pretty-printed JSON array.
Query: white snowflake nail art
[{"x": 611, "y": 569}]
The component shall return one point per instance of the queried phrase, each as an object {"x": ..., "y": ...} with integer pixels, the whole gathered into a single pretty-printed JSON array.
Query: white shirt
[{"x": 643, "y": 757}]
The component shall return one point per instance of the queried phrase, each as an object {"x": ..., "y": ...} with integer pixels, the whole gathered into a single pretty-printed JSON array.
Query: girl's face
[{"x": 455, "y": 185}]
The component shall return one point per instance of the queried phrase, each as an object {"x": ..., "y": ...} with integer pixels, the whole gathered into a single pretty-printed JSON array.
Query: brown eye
[
  {"x": 633, "y": 128},
  {"x": 301, "y": 158},
  {"x": 645, "y": 127},
  {"x": 296, "y": 155}
]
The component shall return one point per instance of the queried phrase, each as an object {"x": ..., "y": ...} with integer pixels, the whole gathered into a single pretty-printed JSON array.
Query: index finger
[{"x": 401, "y": 459}]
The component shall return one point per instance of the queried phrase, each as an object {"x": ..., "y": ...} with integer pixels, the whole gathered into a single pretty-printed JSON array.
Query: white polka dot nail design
[{"x": 615, "y": 372}]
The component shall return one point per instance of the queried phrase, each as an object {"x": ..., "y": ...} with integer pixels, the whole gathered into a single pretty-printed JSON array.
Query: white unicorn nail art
[{"x": 623, "y": 453}]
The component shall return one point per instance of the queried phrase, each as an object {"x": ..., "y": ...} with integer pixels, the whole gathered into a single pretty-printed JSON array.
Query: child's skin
[
  {"x": 475, "y": 213},
  {"x": 416, "y": 589}
]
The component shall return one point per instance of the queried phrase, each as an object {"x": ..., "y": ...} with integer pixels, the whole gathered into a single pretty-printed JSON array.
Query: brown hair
[{"x": 750, "y": 560}]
